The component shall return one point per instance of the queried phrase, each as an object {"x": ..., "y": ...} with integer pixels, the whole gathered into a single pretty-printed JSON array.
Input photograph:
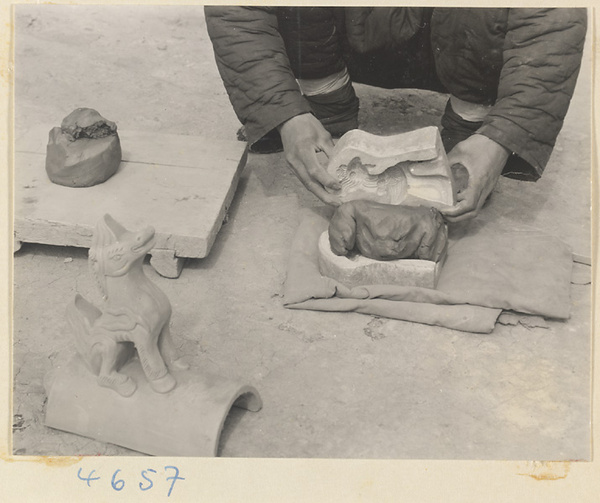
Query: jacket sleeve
[
  {"x": 541, "y": 60},
  {"x": 254, "y": 66}
]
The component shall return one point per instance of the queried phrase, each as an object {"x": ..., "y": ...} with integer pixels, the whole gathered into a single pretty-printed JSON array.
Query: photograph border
[{"x": 28, "y": 478}]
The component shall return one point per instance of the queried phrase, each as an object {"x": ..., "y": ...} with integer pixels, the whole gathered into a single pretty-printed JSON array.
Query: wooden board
[
  {"x": 181, "y": 185},
  {"x": 152, "y": 148}
]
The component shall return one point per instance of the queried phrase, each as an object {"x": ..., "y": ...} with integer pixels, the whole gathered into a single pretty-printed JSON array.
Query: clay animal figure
[
  {"x": 388, "y": 232},
  {"x": 136, "y": 315}
]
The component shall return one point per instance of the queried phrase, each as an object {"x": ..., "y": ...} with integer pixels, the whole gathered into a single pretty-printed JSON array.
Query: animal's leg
[
  {"x": 153, "y": 364},
  {"x": 168, "y": 351},
  {"x": 108, "y": 375}
]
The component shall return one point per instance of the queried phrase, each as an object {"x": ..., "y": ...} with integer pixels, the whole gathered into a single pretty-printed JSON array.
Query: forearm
[
  {"x": 541, "y": 60},
  {"x": 253, "y": 64}
]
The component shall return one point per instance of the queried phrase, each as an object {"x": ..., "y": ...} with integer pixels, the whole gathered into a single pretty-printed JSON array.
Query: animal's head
[{"x": 115, "y": 250}]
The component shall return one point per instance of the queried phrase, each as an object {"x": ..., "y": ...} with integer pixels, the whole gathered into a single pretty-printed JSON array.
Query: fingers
[
  {"x": 465, "y": 209},
  {"x": 320, "y": 174},
  {"x": 462, "y": 218},
  {"x": 314, "y": 177},
  {"x": 313, "y": 174},
  {"x": 468, "y": 202},
  {"x": 317, "y": 187},
  {"x": 303, "y": 136},
  {"x": 476, "y": 165},
  {"x": 326, "y": 145}
]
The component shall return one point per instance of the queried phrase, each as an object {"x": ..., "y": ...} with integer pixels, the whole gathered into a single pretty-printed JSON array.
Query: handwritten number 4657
[{"x": 118, "y": 484}]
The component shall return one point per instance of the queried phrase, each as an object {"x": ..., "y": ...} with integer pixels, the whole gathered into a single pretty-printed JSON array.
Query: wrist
[
  {"x": 292, "y": 120},
  {"x": 494, "y": 149}
]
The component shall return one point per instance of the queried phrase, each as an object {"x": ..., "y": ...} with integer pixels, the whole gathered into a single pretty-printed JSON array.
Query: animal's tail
[{"x": 81, "y": 316}]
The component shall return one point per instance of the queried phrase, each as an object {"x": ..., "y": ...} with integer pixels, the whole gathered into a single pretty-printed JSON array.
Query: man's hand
[
  {"x": 484, "y": 160},
  {"x": 387, "y": 232},
  {"x": 302, "y": 137}
]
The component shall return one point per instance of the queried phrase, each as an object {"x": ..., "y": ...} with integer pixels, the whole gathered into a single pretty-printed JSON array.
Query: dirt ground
[{"x": 333, "y": 385}]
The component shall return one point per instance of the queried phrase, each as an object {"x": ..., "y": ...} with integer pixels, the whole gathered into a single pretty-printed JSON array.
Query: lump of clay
[
  {"x": 388, "y": 232},
  {"x": 84, "y": 151}
]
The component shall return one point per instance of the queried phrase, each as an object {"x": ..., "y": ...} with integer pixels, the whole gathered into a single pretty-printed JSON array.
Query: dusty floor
[{"x": 333, "y": 385}]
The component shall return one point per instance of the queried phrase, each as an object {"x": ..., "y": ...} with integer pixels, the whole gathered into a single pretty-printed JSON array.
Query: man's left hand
[{"x": 484, "y": 160}]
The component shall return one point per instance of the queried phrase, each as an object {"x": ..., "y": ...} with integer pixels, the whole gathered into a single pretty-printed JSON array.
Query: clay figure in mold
[
  {"x": 408, "y": 168},
  {"x": 136, "y": 314}
]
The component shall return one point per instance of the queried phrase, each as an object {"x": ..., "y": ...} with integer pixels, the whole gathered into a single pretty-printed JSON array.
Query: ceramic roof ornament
[
  {"x": 108, "y": 394},
  {"x": 137, "y": 313},
  {"x": 84, "y": 151}
]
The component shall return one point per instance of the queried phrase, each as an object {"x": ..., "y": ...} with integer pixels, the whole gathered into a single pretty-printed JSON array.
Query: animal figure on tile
[{"x": 136, "y": 315}]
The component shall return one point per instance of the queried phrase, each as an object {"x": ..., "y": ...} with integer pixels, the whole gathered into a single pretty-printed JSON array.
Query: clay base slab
[
  {"x": 184, "y": 422},
  {"x": 361, "y": 271},
  {"x": 181, "y": 185}
]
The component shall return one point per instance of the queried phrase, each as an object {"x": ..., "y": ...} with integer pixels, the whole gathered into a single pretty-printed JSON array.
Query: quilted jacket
[{"x": 524, "y": 62}]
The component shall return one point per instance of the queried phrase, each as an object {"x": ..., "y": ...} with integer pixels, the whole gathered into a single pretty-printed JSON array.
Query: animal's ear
[
  {"x": 103, "y": 235},
  {"x": 115, "y": 227}
]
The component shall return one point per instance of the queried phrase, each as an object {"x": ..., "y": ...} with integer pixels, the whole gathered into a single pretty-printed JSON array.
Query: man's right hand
[{"x": 303, "y": 136}]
